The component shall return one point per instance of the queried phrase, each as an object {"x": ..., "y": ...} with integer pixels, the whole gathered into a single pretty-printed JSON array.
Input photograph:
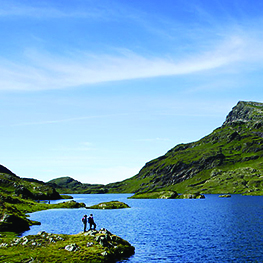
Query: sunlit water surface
[{"x": 208, "y": 230}]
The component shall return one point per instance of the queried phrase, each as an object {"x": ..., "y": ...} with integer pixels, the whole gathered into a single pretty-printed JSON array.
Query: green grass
[
  {"x": 155, "y": 195},
  {"x": 51, "y": 248}
]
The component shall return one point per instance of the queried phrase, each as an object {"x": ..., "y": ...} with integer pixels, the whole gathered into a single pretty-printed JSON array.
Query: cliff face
[
  {"x": 229, "y": 160},
  {"x": 245, "y": 112}
]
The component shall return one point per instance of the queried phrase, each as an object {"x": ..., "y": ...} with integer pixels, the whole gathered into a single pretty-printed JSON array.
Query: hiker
[
  {"x": 91, "y": 222},
  {"x": 84, "y": 221}
]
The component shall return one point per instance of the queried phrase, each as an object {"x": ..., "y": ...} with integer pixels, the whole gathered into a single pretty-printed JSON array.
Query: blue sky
[{"x": 95, "y": 89}]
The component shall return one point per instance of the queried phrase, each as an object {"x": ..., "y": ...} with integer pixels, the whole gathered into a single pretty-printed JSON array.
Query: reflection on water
[{"x": 207, "y": 230}]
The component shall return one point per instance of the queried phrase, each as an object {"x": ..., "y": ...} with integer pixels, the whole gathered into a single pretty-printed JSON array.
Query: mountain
[
  {"x": 68, "y": 185},
  {"x": 229, "y": 160}
]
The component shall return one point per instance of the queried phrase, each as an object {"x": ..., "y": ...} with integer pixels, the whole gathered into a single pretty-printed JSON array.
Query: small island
[
  {"x": 225, "y": 196},
  {"x": 109, "y": 205}
]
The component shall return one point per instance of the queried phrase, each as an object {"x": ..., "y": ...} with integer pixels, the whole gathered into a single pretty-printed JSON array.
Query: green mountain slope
[
  {"x": 17, "y": 196},
  {"x": 24, "y": 187},
  {"x": 229, "y": 160}
]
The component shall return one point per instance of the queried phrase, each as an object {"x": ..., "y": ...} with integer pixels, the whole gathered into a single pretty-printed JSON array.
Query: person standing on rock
[
  {"x": 91, "y": 222},
  {"x": 84, "y": 221}
]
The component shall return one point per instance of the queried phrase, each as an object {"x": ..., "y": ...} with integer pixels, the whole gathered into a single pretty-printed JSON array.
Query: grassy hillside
[
  {"x": 229, "y": 160},
  {"x": 25, "y": 188},
  {"x": 20, "y": 196}
]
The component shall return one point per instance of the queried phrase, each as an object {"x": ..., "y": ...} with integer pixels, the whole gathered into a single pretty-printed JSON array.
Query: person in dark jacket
[
  {"x": 91, "y": 222},
  {"x": 84, "y": 221}
]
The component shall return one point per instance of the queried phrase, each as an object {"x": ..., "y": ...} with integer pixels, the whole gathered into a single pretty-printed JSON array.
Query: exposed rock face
[
  {"x": 191, "y": 196},
  {"x": 244, "y": 112}
]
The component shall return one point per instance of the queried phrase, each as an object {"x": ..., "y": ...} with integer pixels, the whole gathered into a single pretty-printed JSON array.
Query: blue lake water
[{"x": 207, "y": 230}]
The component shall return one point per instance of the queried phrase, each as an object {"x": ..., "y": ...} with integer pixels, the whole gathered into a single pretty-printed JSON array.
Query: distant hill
[
  {"x": 68, "y": 185},
  {"x": 229, "y": 160}
]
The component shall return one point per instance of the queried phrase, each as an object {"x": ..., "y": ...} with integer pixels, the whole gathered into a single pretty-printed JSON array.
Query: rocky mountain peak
[{"x": 245, "y": 111}]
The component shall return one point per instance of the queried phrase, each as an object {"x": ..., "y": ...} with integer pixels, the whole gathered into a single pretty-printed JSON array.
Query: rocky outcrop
[
  {"x": 245, "y": 112},
  {"x": 91, "y": 246},
  {"x": 191, "y": 196},
  {"x": 14, "y": 223}
]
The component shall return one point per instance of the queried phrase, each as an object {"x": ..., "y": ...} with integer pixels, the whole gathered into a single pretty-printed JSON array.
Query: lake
[{"x": 204, "y": 230}]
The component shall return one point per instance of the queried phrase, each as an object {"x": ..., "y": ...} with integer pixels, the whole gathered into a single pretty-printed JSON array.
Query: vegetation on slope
[
  {"x": 229, "y": 160},
  {"x": 25, "y": 188}
]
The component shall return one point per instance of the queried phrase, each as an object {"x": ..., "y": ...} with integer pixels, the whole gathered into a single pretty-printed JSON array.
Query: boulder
[
  {"x": 72, "y": 247},
  {"x": 191, "y": 196}
]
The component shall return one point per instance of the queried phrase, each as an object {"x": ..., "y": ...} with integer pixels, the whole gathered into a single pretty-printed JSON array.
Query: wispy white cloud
[
  {"x": 55, "y": 10},
  {"x": 43, "y": 10},
  {"x": 47, "y": 71}
]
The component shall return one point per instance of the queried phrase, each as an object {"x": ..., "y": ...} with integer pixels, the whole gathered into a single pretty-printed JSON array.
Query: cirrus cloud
[{"x": 40, "y": 71}]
